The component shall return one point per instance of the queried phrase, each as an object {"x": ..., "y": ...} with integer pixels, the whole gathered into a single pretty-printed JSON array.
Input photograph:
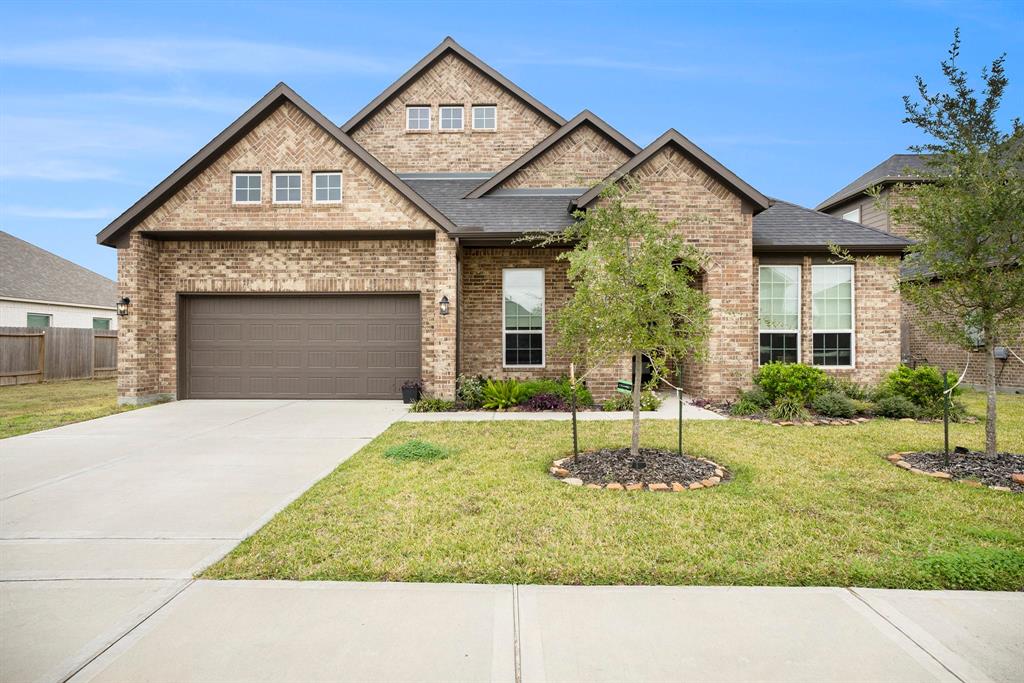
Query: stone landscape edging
[{"x": 897, "y": 460}]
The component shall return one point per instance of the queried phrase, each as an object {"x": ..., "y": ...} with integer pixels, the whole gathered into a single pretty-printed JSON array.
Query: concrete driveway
[{"x": 104, "y": 521}]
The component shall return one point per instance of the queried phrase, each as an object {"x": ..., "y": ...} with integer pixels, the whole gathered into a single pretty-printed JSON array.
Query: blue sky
[{"x": 99, "y": 102}]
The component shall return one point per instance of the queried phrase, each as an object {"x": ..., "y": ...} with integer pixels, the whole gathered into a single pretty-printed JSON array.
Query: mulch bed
[
  {"x": 653, "y": 467},
  {"x": 972, "y": 465}
]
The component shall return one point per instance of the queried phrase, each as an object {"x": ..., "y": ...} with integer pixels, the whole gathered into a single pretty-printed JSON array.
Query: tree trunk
[
  {"x": 638, "y": 374},
  {"x": 990, "y": 413}
]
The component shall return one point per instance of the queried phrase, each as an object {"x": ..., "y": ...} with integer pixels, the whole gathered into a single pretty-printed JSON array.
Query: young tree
[
  {"x": 634, "y": 294},
  {"x": 967, "y": 262}
]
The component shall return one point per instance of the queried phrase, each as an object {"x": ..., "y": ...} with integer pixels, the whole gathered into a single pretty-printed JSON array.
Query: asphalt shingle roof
[
  {"x": 789, "y": 226},
  {"x": 894, "y": 169},
  {"x": 28, "y": 272}
]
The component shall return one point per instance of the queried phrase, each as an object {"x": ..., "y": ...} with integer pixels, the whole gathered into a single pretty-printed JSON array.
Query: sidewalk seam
[{"x": 516, "y": 652}]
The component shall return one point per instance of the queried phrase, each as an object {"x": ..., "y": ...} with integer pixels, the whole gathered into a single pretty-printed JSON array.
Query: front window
[
  {"x": 38, "y": 320},
  {"x": 101, "y": 323},
  {"x": 247, "y": 188},
  {"x": 327, "y": 188},
  {"x": 832, "y": 315},
  {"x": 779, "y": 314},
  {"x": 485, "y": 117},
  {"x": 417, "y": 118},
  {"x": 287, "y": 188},
  {"x": 523, "y": 316},
  {"x": 451, "y": 118}
]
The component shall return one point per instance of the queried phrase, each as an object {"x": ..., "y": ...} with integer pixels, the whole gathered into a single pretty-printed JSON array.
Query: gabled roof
[
  {"x": 585, "y": 117},
  {"x": 677, "y": 139},
  {"x": 242, "y": 125},
  {"x": 786, "y": 227},
  {"x": 31, "y": 273},
  {"x": 896, "y": 169},
  {"x": 448, "y": 45}
]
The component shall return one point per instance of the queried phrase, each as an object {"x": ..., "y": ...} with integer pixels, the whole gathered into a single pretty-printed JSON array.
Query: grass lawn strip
[{"x": 27, "y": 408}]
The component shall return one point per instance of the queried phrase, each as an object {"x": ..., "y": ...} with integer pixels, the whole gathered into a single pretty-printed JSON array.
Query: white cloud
[
  {"x": 55, "y": 213},
  {"x": 173, "y": 55}
]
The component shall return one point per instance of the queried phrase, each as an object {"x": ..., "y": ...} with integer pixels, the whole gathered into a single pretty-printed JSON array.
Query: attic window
[
  {"x": 287, "y": 188},
  {"x": 326, "y": 188},
  {"x": 451, "y": 118},
  {"x": 417, "y": 118},
  {"x": 853, "y": 215},
  {"x": 247, "y": 188},
  {"x": 485, "y": 117}
]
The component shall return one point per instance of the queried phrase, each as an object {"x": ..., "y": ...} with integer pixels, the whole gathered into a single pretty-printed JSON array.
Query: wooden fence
[{"x": 31, "y": 355}]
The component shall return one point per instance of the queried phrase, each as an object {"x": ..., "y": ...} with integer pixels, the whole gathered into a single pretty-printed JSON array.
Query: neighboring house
[
  {"x": 40, "y": 289},
  {"x": 295, "y": 258},
  {"x": 854, "y": 203}
]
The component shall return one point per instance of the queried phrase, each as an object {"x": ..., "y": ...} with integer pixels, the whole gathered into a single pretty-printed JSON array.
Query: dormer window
[
  {"x": 246, "y": 188},
  {"x": 485, "y": 117},
  {"x": 417, "y": 118},
  {"x": 451, "y": 118},
  {"x": 287, "y": 188}
]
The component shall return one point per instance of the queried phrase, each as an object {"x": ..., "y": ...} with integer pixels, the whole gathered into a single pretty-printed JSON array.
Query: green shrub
[
  {"x": 559, "y": 387},
  {"x": 863, "y": 407},
  {"x": 743, "y": 407},
  {"x": 789, "y": 409},
  {"x": 416, "y": 450},
  {"x": 977, "y": 568},
  {"x": 896, "y": 407},
  {"x": 922, "y": 386},
  {"x": 470, "y": 390},
  {"x": 502, "y": 394},
  {"x": 791, "y": 380},
  {"x": 834, "y": 404},
  {"x": 756, "y": 397},
  {"x": 648, "y": 401},
  {"x": 432, "y": 405},
  {"x": 846, "y": 387}
]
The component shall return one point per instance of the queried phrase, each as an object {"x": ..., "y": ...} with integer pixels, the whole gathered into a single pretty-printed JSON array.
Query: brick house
[
  {"x": 918, "y": 345},
  {"x": 292, "y": 257}
]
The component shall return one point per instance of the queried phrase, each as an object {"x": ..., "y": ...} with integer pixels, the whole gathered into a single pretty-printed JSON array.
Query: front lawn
[
  {"x": 808, "y": 506},
  {"x": 30, "y": 407}
]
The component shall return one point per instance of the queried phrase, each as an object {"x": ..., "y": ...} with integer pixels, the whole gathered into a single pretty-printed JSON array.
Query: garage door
[{"x": 345, "y": 346}]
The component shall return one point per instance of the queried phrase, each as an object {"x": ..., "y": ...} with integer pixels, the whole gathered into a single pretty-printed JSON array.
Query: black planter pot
[{"x": 410, "y": 394}]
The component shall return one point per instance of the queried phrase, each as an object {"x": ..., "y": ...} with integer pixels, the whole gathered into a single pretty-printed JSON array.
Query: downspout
[{"x": 458, "y": 307}]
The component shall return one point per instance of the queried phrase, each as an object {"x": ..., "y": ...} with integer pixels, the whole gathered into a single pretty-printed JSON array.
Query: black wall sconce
[
  {"x": 444, "y": 305},
  {"x": 122, "y": 307}
]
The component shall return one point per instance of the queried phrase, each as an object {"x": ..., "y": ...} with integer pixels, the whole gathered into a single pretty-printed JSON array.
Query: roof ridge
[
  {"x": 584, "y": 117},
  {"x": 58, "y": 256},
  {"x": 875, "y": 175}
]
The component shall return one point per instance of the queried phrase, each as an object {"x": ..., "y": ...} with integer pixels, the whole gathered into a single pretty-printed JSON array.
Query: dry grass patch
[{"x": 31, "y": 407}]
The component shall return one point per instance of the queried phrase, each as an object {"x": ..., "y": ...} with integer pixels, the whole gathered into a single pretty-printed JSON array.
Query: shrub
[
  {"x": 863, "y": 407},
  {"x": 757, "y": 397},
  {"x": 416, "y": 450},
  {"x": 922, "y": 386},
  {"x": 540, "y": 402},
  {"x": 432, "y": 405},
  {"x": 746, "y": 406},
  {"x": 846, "y": 387},
  {"x": 789, "y": 409},
  {"x": 896, "y": 407},
  {"x": 834, "y": 404},
  {"x": 501, "y": 394},
  {"x": 790, "y": 380},
  {"x": 648, "y": 401},
  {"x": 558, "y": 387},
  {"x": 470, "y": 390}
]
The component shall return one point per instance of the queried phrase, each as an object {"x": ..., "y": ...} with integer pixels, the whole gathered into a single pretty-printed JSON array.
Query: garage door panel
[{"x": 267, "y": 346}]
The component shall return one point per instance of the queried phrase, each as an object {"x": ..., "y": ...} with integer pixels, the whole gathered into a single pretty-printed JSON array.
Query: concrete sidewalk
[{"x": 320, "y": 631}]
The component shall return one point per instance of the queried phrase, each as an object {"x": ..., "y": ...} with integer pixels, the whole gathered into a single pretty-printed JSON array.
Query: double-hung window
[
  {"x": 779, "y": 314},
  {"x": 417, "y": 118},
  {"x": 287, "y": 188},
  {"x": 485, "y": 117},
  {"x": 832, "y": 315},
  {"x": 247, "y": 188},
  {"x": 326, "y": 188},
  {"x": 523, "y": 317},
  {"x": 451, "y": 118}
]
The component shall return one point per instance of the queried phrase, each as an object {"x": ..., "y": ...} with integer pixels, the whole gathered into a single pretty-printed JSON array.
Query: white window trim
[
  {"x": 543, "y": 320},
  {"x": 341, "y": 187},
  {"x": 485, "y": 106},
  {"x": 799, "y": 310},
  {"x": 430, "y": 122},
  {"x": 853, "y": 319},
  {"x": 853, "y": 220},
  {"x": 440, "y": 118},
  {"x": 234, "y": 188},
  {"x": 273, "y": 186}
]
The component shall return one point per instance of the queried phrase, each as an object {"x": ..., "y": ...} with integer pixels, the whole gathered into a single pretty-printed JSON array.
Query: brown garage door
[{"x": 344, "y": 346}]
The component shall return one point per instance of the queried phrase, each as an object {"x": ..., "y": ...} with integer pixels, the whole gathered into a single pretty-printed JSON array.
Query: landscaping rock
[
  {"x": 1001, "y": 488},
  {"x": 719, "y": 473},
  {"x": 594, "y": 486},
  {"x": 786, "y": 424},
  {"x": 714, "y": 480},
  {"x": 941, "y": 475},
  {"x": 695, "y": 485},
  {"x": 972, "y": 483},
  {"x": 573, "y": 481},
  {"x": 1017, "y": 478},
  {"x": 560, "y": 472},
  {"x": 615, "y": 486},
  {"x": 895, "y": 457},
  {"x": 907, "y": 419},
  {"x": 677, "y": 487},
  {"x": 559, "y": 462},
  {"x": 658, "y": 486},
  {"x": 904, "y": 464},
  {"x": 634, "y": 487}
]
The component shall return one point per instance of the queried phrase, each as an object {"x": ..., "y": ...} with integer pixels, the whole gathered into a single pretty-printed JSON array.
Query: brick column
[
  {"x": 441, "y": 383},
  {"x": 138, "y": 334}
]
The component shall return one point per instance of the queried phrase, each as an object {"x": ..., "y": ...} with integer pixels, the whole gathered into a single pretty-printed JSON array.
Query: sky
[{"x": 99, "y": 102}]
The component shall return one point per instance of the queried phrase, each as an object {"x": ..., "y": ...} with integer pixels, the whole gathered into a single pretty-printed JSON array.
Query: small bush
[
  {"x": 757, "y": 397},
  {"x": 745, "y": 406},
  {"x": 648, "y": 401},
  {"x": 789, "y": 409},
  {"x": 847, "y": 388},
  {"x": 977, "y": 568},
  {"x": 863, "y": 407},
  {"x": 792, "y": 381},
  {"x": 502, "y": 394},
  {"x": 416, "y": 450},
  {"x": 470, "y": 391},
  {"x": 541, "y": 402},
  {"x": 922, "y": 386},
  {"x": 558, "y": 387},
  {"x": 896, "y": 407},
  {"x": 834, "y": 404},
  {"x": 432, "y": 405}
]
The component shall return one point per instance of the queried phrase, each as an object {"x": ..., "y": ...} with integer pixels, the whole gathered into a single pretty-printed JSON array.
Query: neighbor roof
[
  {"x": 229, "y": 136},
  {"x": 786, "y": 227},
  {"x": 674, "y": 137},
  {"x": 895, "y": 169},
  {"x": 585, "y": 117},
  {"x": 28, "y": 272},
  {"x": 448, "y": 45}
]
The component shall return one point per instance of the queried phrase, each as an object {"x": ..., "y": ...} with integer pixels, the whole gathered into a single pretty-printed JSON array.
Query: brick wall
[
  {"x": 452, "y": 81},
  {"x": 580, "y": 159}
]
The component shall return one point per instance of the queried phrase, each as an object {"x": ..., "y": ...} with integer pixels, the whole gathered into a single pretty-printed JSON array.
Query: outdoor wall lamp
[
  {"x": 122, "y": 307},
  {"x": 444, "y": 305}
]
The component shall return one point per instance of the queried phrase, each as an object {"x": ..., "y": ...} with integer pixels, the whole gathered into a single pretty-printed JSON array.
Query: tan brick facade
[
  {"x": 580, "y": 159},
  {"x": 452, "y": 81}
]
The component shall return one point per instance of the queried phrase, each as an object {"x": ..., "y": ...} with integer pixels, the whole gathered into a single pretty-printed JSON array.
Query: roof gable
[
  {"x": 448, "y": 45},
  {"x": 280, "y": 94},
  {"x": 892, "y": 170},
  {"x": 584, "y": 118},
  {"x": 676, "y": 139},
  {"x": 32, "y": 273}
]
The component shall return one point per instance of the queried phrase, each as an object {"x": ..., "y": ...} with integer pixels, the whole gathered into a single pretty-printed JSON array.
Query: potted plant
[{"x": 411, "y": 390}]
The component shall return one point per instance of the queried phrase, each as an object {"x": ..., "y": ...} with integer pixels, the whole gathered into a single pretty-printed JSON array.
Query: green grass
[
  {"x": 30, "y": 407},
  {"x": 808, "y": 506}
]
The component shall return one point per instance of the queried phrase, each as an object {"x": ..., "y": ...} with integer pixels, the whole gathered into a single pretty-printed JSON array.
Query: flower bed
[
  {"x": 654, "y": 469},
  {"x": 1005, "y": 472}
]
